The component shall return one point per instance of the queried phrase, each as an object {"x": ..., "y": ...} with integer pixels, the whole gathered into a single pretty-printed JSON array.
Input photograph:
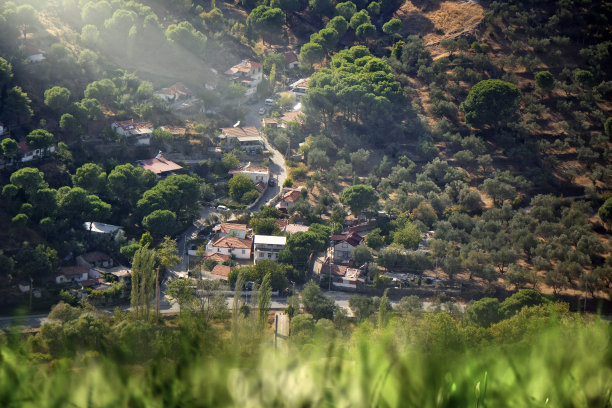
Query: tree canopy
[{"x": 491, "y": 102}]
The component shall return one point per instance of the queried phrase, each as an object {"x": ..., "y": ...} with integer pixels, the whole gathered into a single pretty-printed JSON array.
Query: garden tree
[
  {"x": 451, "y": 45},
  {"x": 15, "y": 107},
  {"x": 321, "y": 7},
  {"x": 264, "y": 301},
  {"x": 425, "y": 213},
  {"x": 90, "y": 177},
  {"x": 301, "y": 245},
  {"x": 483, "y": 312},
  {"x": 39, "y": 139},
  {"x": 181, "y": 290},
  {"x": 10, "y": 148},
  {"x": 143, "y": 275},
  {"x": 498, "y": 190},
  {"x": 365, "y": 31},
  {"x": 359, "y": 198},
  {"x": 160, "y": 223},
  {"x": 392, "y": 26},
  {"x": 57, "y": 98},
  {"x": 346, "y": 9},
  {"x": 26, "y": 17},
  {"x": 338, "y": 23},
  {"x": 120, "y": 24},
  {"x": 362, "y": 306},
  {"x": 127, "y": 184},
  {"x": 407, "y": 236},
  {"x": 362, "y": 254},
  {"x": 75, "y": 205},
  {"x": 311, "y": 53},
  {"x": 491, "y": 102},
  {"x": 358, "y": 19},
  {"x": 20, "y": 220},
  {"x": 605, "y": 211},
  {"x": 256, "y": 273},
  {"x": 166, "y": 256},
  {"x": 229, "y": 161},
  {"x": 239, "y": 185},
  {"x": 545, "y": 81},
  {"x": 266, "y": 22},
  {"x": 29, "y": 179},
  {"x": 272, "y": 59},
  {"x": 265, "y": 226},
  {"x": 374, "y": 240},
  {"x": 177, "y": 193},
  {"x": 316, "y": 303},
  {"x": 392, "y": 258},
  {"x": 608, "y": 127},
  {"x": 36, "y": 262}
]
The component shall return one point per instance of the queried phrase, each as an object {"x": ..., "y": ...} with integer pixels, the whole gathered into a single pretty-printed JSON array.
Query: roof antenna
[{"x": 236, "y": 124}]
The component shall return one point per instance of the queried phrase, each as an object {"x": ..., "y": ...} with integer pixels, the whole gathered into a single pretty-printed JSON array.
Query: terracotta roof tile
[
  {"x": 159, "y": 165},
  {"x": 233, "y": 242},
  {"x": 221, "y": 270}
]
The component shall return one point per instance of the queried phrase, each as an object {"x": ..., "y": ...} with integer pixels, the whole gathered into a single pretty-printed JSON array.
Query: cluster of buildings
[{"x": 94, "y": 270}]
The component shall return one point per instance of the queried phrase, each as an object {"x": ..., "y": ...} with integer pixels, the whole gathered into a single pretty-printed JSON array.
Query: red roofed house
[
  {"x": 217, "y": 257},
  {"x": 228, "y": 229},
  {"x": 288, "y": 197},
  {"x": 72, "y": 274},
  {"x": 159, "y": 165},
  {"x": 291, "y": 59},
  {"x": 237, "y": 247},
  {"x": 344, "y": 245},
  {"x": 247, "y": 73},
  {"x": 140, "y": 131},
  {"x": 220, "y": 272}
]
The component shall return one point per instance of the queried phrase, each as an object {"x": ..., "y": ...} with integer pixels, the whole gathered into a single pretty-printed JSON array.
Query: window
[
  {"x": 243, "y": 251},
  {"x": 344, "y": 245},
  {"x": 269, "y": 255}
]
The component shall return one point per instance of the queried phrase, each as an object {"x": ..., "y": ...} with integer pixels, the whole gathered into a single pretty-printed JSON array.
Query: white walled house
[
  {"x": 72, "y": 274},
  {"x": 141, "y": 132},
  {"x": 237, "y": 247},
  {"x": 247, "y": 73},
  {"x": 257, "y": 174},
  {"x": 267, "y": 247},
  {"x": 247, "y": 138},
  {"x": 28, "y": 154},
  {"x": 344, "y": 245}
]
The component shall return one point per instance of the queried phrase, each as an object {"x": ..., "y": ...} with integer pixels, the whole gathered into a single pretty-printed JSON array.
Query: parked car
[
  {"x": 222, "y": 208},
  {"x": 272, "y": 182},
  {"x": 262, "y": 111},
  {"x": 269, "y": 102}
]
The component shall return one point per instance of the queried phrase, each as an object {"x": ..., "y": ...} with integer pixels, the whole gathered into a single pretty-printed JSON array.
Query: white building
[
  {"x": 247, "y": 73},
  {"x": 29, "y": 154},
  {"x": 239, "y": 248},
  {"x": 72, "y": 274},
  {"x": 344, "y": 245},
  {"x": 299, "y": 87},
  {"x": 140, "y": 131},
  {"x": 257, "y": 174},
  {"x": 267, "y": 247}
]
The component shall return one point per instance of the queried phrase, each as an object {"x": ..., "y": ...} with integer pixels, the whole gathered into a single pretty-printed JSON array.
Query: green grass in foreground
[{"x": 537, "y": 358}]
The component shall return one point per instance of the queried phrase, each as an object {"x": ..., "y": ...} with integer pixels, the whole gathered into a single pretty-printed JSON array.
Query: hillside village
[{"x": 274, "y": 189}]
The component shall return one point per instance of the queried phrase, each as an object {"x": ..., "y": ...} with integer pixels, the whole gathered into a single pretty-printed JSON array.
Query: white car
[{"x": 262, "y": 111}]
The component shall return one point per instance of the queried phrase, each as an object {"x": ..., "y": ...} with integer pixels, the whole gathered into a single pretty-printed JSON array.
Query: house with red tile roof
[
  {"x": 239, "y": 248},
  {"x": 255, "y": 173},
  {"x": 174, "y": 92},
  {"x": 344, "y": 245},
  {"x": 247, "y": 138},
  {"x": 159, "y": 165},
  {"x": 27, "y": 153},
  {"x": 291, "y": 59},
  {"x": 247, "y": 73},
  {"x": 226, "y": 229},
  {"x": 288, "y": 197},
  {"x": 140, "y": 131},
  {"x": 220, "y": 272}
]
